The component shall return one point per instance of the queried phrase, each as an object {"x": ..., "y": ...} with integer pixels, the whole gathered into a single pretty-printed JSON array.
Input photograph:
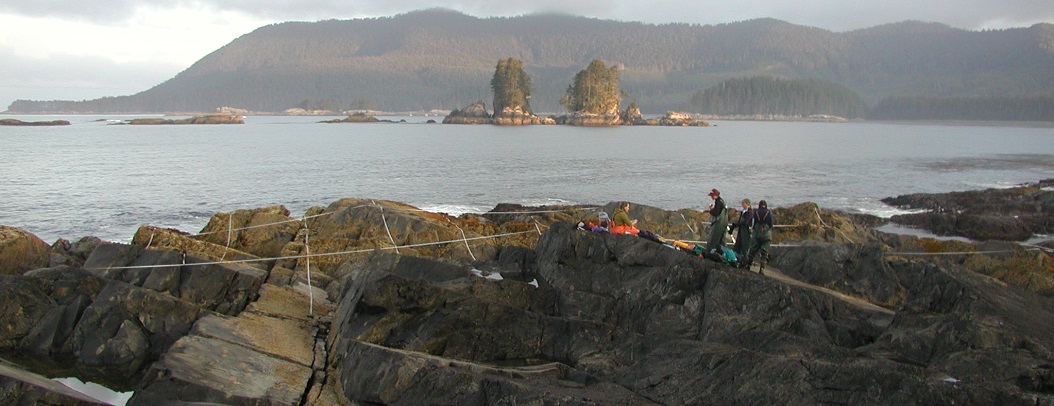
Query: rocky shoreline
[
  {"x": 1014, "y": 214},
  {"x": 377, "y": 302}
]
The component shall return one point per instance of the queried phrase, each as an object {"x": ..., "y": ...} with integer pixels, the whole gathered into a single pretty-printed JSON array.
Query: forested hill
[{"x": 439, "y": 59}]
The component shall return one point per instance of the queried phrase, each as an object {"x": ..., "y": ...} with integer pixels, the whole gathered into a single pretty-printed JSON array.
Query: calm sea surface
[{"x": 93, "y": 178}]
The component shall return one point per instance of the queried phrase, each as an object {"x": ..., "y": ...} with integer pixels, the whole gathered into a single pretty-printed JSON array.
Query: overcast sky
[{"x": 85, "y": 49}]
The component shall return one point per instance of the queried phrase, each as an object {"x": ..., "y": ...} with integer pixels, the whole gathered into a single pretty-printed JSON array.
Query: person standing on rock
[
  {"x": 718, "y": 223},
  {"x": 763, "y": 223},
  {"x": 744, "y": 226}
]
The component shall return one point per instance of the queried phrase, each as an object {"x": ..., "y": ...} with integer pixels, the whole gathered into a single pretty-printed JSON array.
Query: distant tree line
[
  {"x": 763, "y": 95},
  {"x": 1040, "y": 108}
]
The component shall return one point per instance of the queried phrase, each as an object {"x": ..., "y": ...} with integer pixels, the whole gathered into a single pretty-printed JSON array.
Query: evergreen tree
[
  {"x": 511, "y": 86},
  {"x": 595, "y": 90}
]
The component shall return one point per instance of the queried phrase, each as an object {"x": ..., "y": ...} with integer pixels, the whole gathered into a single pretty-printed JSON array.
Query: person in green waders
[
  {"x": 718, "y": 224},
  {"x": 763, "y": 223},
  {"x": 744, "y": 227}
]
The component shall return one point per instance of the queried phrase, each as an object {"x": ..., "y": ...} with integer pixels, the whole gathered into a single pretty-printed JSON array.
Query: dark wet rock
[
  {"x": 972, "y": 328},
  {"x": 1013, "y": 214},
  {"x": 21, "y": 387},
  {"x": 223, "y": 288},
  {"x": 621, "y": 312},
  {"x": 859, "y": 270},
  {"x": 70, "y": 322},
  {"x": 21, "y": 251},
  {"x": 66, "y": 253}
]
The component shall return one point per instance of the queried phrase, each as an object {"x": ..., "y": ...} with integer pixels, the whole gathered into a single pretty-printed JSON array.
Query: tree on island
[
  {"x": 511, "y": 86},
  {"x": 595, "y": 90}
]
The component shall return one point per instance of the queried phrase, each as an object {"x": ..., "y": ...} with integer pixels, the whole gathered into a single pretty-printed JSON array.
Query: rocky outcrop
[
  {"x": 859, "y": 270},
  {"x": 589, "y": 119},
  {"x": 677, "y": 119},
  {"x": 148, "y": 237},
  {"x": 68, "y": 322},
  {"x": 225, "y": 288},
  {"x": 423, "y": 311},
  {"x": 475, "y": 113},
  {"x": 15, "y": 122},
  {"x": 209, "y": 119},
  {"x": 511, "y": 116},
  {"x": 1013, "y": 214},
  {"x": 622, "y": 320},
  {"x": 808, "y": 222},
  {"x": 265, "y": 355},
  {"x": 21, "y": 251},
  {"x": 633, "y": 116},
  {"x": 65, "y": 253},
  {"x": 354, "y": 227},
  {"x": 261, "y": 232}
]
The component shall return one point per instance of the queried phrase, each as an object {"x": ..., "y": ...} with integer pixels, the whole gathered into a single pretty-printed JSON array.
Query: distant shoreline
[{"x": 708, "y": 117}]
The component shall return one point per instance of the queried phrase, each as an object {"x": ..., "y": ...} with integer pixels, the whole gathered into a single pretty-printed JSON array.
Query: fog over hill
[{"x": 440, "y": 59}]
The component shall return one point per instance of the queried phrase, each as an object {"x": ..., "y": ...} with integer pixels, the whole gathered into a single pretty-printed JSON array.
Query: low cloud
[
  {"x": 75, "y": 78},
  {"x": 111, "y": 10},
  {"x": 852, "y": 14}
]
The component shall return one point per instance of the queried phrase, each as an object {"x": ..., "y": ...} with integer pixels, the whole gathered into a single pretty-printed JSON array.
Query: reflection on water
[{"x": 96, "y": 391}]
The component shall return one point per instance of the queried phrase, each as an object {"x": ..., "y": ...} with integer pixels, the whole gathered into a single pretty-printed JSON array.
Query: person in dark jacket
[
  {"x": 718, "y": 223},
  {"x": 744, "y": 227},
  {"x": 763, "y": 223}
]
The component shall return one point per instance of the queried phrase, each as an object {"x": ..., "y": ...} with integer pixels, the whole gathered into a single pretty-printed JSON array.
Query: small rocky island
[
  {"x": 477, "y": 113},
  {"x": 16, "y": 122},
  {"x": 208, "y": 119},
  {"x": 377, "y": 302}
]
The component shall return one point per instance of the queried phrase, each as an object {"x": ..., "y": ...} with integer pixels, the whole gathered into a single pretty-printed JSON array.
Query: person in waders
[
  {"x": 744, "y": 227},
  {"x": 763, "y": 223},
  {"x": 718, "y": 224}
]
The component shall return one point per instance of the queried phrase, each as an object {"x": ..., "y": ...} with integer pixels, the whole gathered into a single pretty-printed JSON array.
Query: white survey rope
[
  {"x": 687, "y": 224},
  {"x": 230, "y": 229},
  {"x": 326, "y": 254},
  {"x": 466, "y": 241},
  {"x": 386, "y": 227}
]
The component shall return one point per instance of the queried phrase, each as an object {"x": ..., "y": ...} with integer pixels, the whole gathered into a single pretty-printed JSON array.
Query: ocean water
[{"x": 93, "y": 178}]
